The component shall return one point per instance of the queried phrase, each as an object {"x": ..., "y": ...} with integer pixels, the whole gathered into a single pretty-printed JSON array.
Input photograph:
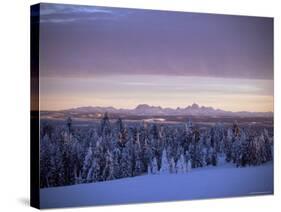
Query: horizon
[
  {"x": 124, "y": 57},
  {"x": 161, "y": 107}
]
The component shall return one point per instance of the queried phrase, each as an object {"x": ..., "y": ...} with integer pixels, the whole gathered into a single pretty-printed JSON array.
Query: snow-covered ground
[{"x": 209, "y": 182}]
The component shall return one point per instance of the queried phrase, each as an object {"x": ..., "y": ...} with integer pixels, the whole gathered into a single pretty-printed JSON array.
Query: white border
[{"x": 14, "y": 93}]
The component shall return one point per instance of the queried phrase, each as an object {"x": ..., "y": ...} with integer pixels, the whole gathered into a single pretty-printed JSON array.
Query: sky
[{"x": 102, "y": 56}]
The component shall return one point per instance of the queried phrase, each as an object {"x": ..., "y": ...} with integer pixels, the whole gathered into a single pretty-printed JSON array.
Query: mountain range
[{"x": 148, "y": 110}]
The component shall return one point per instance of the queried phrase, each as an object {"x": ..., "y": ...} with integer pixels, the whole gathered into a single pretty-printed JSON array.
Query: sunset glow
[{"x": 94, "y": 56}]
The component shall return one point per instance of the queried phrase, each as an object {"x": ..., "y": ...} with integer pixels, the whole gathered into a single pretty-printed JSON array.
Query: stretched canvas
[{"x": 134, "y": 105}]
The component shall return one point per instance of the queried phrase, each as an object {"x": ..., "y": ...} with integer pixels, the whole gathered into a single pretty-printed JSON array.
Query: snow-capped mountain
[{"x": 192, "y": 110}]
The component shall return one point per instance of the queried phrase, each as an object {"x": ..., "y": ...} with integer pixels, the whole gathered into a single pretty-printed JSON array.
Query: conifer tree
[
  {"x": 164, "y": 163},
  {"x": 172, "y": 166},
  {"x": 125, "y": 163},
  {"x": 154, "y": 168},
  {"x": 188, "y": 166},
  {"x": 181, "y": 165},
  {"x": 87, "y": 163}
]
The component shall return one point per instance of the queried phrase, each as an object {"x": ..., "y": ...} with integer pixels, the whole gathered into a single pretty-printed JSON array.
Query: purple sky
[{"x": 104, "y": 46}]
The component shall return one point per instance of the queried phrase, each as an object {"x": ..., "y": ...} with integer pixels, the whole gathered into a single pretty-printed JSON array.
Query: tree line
[{"x": 113, "y": 150}]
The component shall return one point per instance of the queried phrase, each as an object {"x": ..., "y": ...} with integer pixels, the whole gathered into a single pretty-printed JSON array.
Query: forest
[{"x": 114, "y": 149}]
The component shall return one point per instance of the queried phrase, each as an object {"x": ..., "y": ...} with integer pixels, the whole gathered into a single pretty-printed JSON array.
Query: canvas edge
[{"x": 34, "y": 107}]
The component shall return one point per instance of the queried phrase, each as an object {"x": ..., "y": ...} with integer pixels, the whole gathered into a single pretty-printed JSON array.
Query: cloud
[
  {"x": 50, "y": 9},
  {"x": 59, "y": 13},
  {"x": 87, "y": 41},
  {"x": 57, "y": 20}
]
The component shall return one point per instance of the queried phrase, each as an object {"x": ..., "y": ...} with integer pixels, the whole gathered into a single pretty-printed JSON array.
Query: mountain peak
[
  {"x": 142, "y": 106},
  {"x": 194, "y": 106},
  {"x": 191, "y": 110}
]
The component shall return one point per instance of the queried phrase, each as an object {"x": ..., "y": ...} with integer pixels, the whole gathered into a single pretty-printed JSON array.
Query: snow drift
[{"x": 209, "y": 182}]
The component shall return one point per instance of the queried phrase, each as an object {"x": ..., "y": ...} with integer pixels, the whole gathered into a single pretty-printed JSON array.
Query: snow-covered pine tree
[
  {"x": 268, "y": 145},
  {"x": 78, "y": 177},
  {"x": 164, "y": 163},
  {"x": 89, "y": 177},
  {"x": 154, "y": 168},
  {"x": 262, "y": 149},
  {"x": 149, "y": 170},
  {"x": 253, "y": 151},
  {"x": 108, "y": 171},
  {"x": 179, "y": 152},
  {"x": 244, "y": 152},
  {"x": 188, "y": 166},
  {"x": 236, "y": 150},
  {"x": 207, "y": 152},
  {"x": 228, "y": 145},
  {"x": 119, "y": 125},
  {"x": 172, "y": 166},
  {"x": 45, "y": 161},
  {"x": 116, "y": 162},
  {"x": 46, "y": 129},
  {"x": 87, "y": 163},
  {"x": 218, "y": 137},
  {"x": 96, "y": 170},
  {"x": 189, "y": 127},
  {"x": 77, "y": 158},
  {"x": 148, "y": 155},
  {"x": 67, "y": 163},
  {"x": 181, "y": 165},
  {"x": 138, "y": 166},
  {"x": 126, "y": 163},
  {"x": 187, "y": 156},
  {"x": 99, "y": 157},
  {"x": 105, "y": 124},
  {"x": 196, "y": 151},
  {"x": 155, "y": 143},
  {"x": 56, "y": 169},
  {"x": 121, "y": 133},
  {"x": 69, "y": 124},
  {"x": 111, "y": 174},
  {"x": 221, "y": 146}
]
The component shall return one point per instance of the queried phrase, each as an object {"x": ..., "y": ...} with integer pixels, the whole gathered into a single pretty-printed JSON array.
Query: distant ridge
[{"x": 145, "y": 110}]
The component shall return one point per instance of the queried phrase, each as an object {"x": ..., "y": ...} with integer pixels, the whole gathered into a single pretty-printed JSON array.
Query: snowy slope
[{"x": 210, "y": 182}]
